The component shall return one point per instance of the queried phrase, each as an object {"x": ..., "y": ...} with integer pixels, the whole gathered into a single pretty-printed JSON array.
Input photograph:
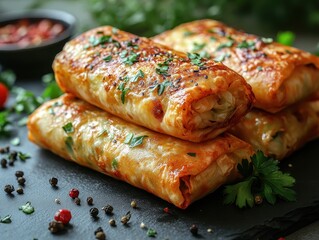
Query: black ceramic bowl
[{"x": 34, "y": 60}]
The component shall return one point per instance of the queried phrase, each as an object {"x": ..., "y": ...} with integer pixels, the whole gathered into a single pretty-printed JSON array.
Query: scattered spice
[
  {"x": 53, "y": 181},
  {"x": 89, "y": 201},
  {"x": 4, "y": 163},
  {"x": 151, "y": 232},
  {"x": 56, "y": 226},
  {"x": 9, "y": 188},
  {"x": 166, "y": 210},
  {"x": 289, "y": 165},
  {"x": 19, "y": 174},
  {"x": 15, "y": 141},
  {"x": 68, "y": 128},
  {"x": 99, "y": 233},
  {"x": 142, "y": 225},
  {"x": 57, "y": 201},
  {"x": 63, "y": 215},
  {"x": 134, "y": 204},
  {"x": 13, "y": 156},
  {"x": 112, "y": 222},
  {"x": 23, "y": 156},
  {"x": 20, "y": 190},
  {"x": 193, "y": 229},
  {"x": 108, "y": 209},
  {"x": 77, "y": 201},
  {"x": 209, "y": 230},
  {"x": 94, "y": 212},
  {"x": 192, "y": 154},
  {"x": 5, "y": 150},
  {"x": 21, "y": 180},
  {"x": 27, "y": 208},
  {"x": 74, "y": 193},
  {"x": 126, "y": 218}
]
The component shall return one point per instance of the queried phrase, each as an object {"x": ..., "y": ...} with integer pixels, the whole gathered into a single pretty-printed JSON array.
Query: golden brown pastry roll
[
  {"x": 148, "y": 84},
  {"x": 279, "y": 75},
  {"x": 175, "y": 170},
  {"x": 282, "y": 133}
]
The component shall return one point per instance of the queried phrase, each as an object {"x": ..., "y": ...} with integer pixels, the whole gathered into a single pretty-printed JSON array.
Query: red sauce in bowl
[{"x": 26, "y": 33}]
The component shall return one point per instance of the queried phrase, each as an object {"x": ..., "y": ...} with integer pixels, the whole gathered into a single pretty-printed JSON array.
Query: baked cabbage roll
[
  {"x": 150, "y": 85},
  {"x": 279, "y": 75},
  {"x": 175, "y": 170},
  {"x": 280, "y": 134}
]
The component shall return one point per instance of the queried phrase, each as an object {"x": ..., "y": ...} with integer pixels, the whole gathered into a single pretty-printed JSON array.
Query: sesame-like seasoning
[
  {"x": 126, "y": 218},
  {"x": 112, "y": 222}
]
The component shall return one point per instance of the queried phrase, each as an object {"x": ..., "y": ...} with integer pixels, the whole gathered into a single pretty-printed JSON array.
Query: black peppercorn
[
  {"x": 13, "y": 156},
  {"x": 9, "y": 188},
  {"x": 53, "y": 181},
  {"x": 11, "y": 162},
  {"x": 108, "y": 209},
  {"x": 21, "y": 180},
  {"x": 194, "y": 229},
  {"x": 100, "y": 235},
  {"x": 55, "y": 227},
  {"x": 19, "y": 174},
  {"x": 5, "y": 150},
  {"x": 89, "y": 201},
  {"x": 20, "y": 190},
  {"x": 99, "y": 229},
  {"x": 94, "y": 212},
  {"x": 4, "y": 163},
  {"x": 77, "y": 201},
  {"x": 112, "y": 222}
]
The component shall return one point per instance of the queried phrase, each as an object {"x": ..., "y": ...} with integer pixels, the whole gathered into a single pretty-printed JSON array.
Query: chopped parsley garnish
[
  {"x": 123, "y": 54},
  {"x": 213, "y": 39},
  {"x": 95, "y": 41},
  {"x": 115, "y": 30},
  {"x": 131, "y": 58},
  {"x": 6, "y": 219},
  {"x": 54, "y": 105},
  {"x": 23, "y": 156},
  {"x": 225, "y": 45},
  {"x": 198, "y": 46},
  {"x": 68, "y": 128},
  {"x": 27, "y": 208},
  {"x": 123, "y": 90},
  {"x": 222, "y": 57},
  {"x": 151, "y": 232},
  {"x": 134, "y": 141},
  {"x": 246, "y": 44},
  {"x": 131, "y": 44},
  {"x": 259, "y": 68},
  {"x": 161, "y": 87},
  {"x": 261, "y": 177},
  {"x": 108, "y": 58},
  {"x": 204, "y": 54},
  {"x": 192, "y": 154},
  {"x": 52, "y": 89},
  {"x": 162, "y": 68},
  {"x": 114, "y": 164},
  {"x": 196, "y": 59},
  {"x": 4, "y": 123},
  {"x": 140, "y": 74},
  {"x": 69, "y": 144}
]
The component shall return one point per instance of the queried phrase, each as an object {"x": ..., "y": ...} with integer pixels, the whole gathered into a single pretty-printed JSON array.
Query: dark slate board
[{"x": 227, "y": 222}]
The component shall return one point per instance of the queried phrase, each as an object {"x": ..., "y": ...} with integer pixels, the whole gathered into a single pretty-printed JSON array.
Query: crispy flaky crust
[
  {"x": 175, "y": 170},
  {"x": 150, "y": 85},
  {"x": 279, "y": 75},
  {"x": 282, "y": 133}
]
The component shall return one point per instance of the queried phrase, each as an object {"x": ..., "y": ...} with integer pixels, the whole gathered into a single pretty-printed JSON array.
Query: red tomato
[{"x": 4, "y": 93}]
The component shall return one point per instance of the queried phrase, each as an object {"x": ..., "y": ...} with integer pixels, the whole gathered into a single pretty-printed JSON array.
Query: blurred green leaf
[{"x": 286, "y": 38}]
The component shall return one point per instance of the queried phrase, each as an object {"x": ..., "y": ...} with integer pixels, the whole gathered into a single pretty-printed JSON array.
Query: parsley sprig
[
  {"x": 261, "y": 177},
  {"x": 195, "y": 58}
]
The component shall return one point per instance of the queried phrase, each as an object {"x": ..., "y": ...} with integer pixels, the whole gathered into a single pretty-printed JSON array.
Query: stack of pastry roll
[
  {"x": 145, "y": 114},
  {"x": 284, "y": 81}
]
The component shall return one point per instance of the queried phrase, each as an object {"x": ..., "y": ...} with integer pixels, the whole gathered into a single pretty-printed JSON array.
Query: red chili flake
[
  {"x": 63, "y": 215},
  {"x": 166, "y": 210},
  {"x": 74, "y": 193}
]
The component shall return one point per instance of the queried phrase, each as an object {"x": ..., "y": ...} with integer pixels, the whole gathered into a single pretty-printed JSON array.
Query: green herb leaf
[
  {"x": 8, "y": 78},
  {"x": 225, "y": 45},
  {"x": 267, "y": 40},
  {"x": 26, "y": 101},
  {"x": 114, "y": 164},
  {"x": 195, "y": 59},
  {"x": 27, "y": 208},
  {"x": 68, "y": 128},
  {"x": 108, "y": 58},
  {"x": 247, "y": 44},
  {"x": 23, "y": 121},
  {"x": 123, "y": 90},
  {"x": 162, "y": 86},
  {"x": 192, "y": 154},
  {"x": 6, "y": 219},
  {"x": 261, "y": 177},
  {"x": 131, "y": 58},
  {"x": 222, "y": 57},
  {"x": 23, "y": 156},
  {"x": 140, "y": 74},
  {"x": 69, "y": 144},
  {"x": 188, "y": 33},
  {"x": 286, "y": 38},
  {"x": 15, "y": 141},
  {"x": 134, "y": 141},
  {"x": 259, "y": 68},
  {"x": 198, "y": 46},
  {"x": 95, "y": 41},
  {"x": 4, "y": 123},
  {"x": 151, "y": 232}
]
